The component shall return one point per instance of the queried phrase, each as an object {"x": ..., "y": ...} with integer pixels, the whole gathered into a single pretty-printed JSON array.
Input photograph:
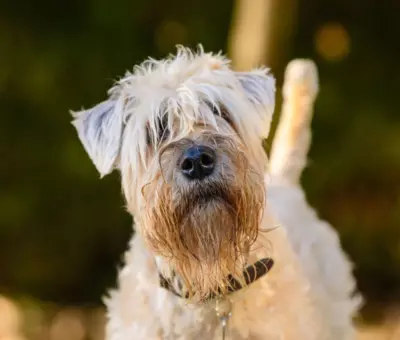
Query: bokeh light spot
[{"x": 332, "y": 42}]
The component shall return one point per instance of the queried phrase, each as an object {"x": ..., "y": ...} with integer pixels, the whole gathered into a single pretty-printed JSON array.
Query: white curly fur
[{"x": 306, "y": 296}]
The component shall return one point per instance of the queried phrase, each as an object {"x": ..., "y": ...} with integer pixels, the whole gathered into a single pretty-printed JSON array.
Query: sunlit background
[{"x": 63, "y": 231}]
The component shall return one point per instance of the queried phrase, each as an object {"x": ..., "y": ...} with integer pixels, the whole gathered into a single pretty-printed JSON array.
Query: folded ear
[
  {"x": 259, "y": 88},
  {"x": 100, "y": 131}
]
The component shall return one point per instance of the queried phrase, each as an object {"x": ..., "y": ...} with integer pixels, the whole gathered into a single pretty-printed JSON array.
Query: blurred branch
[{"x": 260, "y": 33}]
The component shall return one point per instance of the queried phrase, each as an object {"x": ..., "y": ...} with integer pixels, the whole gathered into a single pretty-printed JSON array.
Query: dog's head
[{"x": 186, "y": 134}]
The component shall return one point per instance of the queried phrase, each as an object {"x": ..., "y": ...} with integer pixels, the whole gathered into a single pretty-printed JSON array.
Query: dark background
[{"x": 63, "y": 231}]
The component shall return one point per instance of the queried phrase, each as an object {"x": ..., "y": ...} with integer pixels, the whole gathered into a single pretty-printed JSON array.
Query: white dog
[{"x": 186, "y": 134}]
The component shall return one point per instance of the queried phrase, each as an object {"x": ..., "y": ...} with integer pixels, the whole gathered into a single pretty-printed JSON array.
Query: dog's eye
[
  {"x": 162, "y": 128},
  {"x": 162, "y": 131},
  {"x": 224, "y": 114}
]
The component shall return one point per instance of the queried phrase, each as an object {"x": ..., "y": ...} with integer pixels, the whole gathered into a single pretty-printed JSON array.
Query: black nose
[{"x": 198, "y": 162}]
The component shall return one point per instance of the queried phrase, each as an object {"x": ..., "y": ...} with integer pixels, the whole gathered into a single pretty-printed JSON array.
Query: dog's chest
[{"x": 249, "y": 319}]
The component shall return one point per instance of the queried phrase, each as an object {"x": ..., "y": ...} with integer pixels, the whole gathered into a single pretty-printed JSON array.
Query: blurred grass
[
  {"x": 29, "y": 320},
  {"x": 33, "y": 320}
]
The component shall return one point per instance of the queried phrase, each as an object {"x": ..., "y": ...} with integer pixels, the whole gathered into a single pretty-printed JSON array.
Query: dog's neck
[
  {"x": 251, "y": 274},
  {"x": 254, "y": 270}
]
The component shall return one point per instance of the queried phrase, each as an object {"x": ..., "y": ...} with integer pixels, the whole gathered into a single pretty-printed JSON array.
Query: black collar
[{"x": 251, "y": 274}]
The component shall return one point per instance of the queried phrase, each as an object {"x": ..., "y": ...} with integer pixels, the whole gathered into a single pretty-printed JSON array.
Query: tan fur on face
[{"x": 204, "y": 238}]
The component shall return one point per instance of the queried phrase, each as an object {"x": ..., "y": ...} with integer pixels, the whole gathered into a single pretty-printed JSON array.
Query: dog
[{"x": 212, "y": 256}]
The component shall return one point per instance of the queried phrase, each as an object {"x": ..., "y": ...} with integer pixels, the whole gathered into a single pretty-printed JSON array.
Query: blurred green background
[{"x": 63, "y": 231}]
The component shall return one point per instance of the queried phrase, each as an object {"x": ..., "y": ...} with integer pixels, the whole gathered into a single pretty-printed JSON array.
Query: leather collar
[{"x": 251, "y": 274}]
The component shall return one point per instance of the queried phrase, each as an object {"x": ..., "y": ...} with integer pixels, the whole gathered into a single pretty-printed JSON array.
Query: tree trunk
[{"x": 261, "y": 34}]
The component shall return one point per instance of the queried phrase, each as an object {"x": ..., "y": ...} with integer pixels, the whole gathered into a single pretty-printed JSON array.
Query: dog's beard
[{"x": 204, "y": 230}]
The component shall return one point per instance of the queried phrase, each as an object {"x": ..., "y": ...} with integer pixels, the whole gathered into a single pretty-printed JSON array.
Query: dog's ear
[
  {"x": 259, "y": 88},
  {"x": 100, "y": 131}
]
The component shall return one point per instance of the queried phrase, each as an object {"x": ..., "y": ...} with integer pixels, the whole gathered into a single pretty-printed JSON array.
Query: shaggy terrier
[{"x": 210, "y": 258}]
